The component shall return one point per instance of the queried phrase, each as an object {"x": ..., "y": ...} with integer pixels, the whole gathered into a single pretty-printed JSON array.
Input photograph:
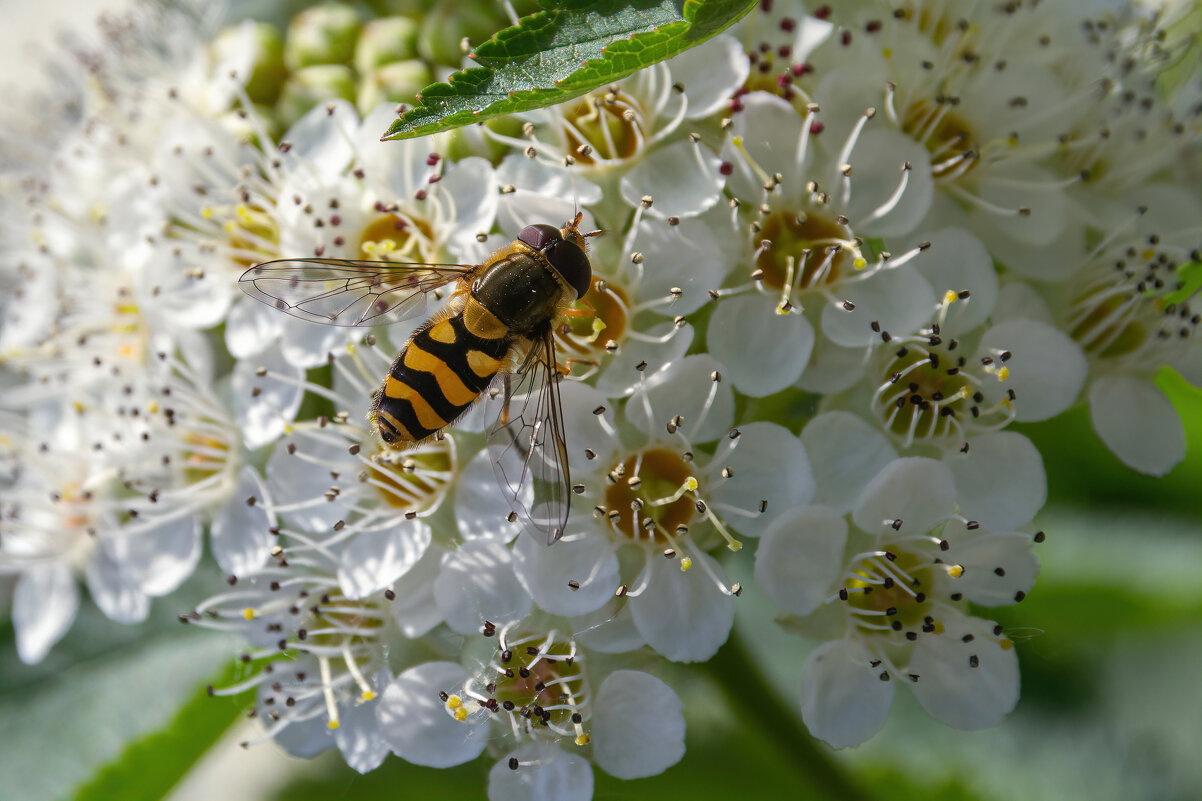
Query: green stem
[{"x": 759, "y": 706}]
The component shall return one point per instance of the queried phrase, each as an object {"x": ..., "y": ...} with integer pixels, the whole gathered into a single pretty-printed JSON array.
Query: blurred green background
[{"x": 1110, "y": 643}]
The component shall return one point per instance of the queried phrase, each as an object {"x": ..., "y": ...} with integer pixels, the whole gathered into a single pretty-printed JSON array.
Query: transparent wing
[
  {"x": 350, "y": 293},
  {"x": 526, "y": 444}
]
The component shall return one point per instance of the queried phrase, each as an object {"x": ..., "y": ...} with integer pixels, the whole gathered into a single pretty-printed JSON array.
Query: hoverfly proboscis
[{"x": 494, "y": 337}]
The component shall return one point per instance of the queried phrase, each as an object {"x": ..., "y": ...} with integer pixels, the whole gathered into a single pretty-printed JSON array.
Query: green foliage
[
  {"x": 562, "y": 52},
  {"x": 150, "y": 767}
]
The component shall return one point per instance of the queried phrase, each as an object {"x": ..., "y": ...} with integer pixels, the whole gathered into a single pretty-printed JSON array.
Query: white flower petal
[
  {"x": 843, "y": 700},
  {"x": 832, "y": 368},
  {"x": 239, "y": 537},
  {"x": 44, "y": 604},
  {"x": 610, "y": 629},
  {"x": 545, "y": 773},
  {"x": 876, "y": 164},
  {"x": 160, "y": 557},
  {"x": 638, "y": 726},
  {"x": 477, "y": 583},
  {"x": 771, "y": 131},
  {"x": 683, "y": 615},
  {"x": 414, "y": 609},
  {"x": 263, "y": 416},
  {"x": 417, "y": 727},
  {"x": 682, "y": 179},
  {"x": 710, "y": 73},
  {"x": 1047, "y": 369},
  {"x": 957, "y": 261},
  {"x": 480, "y": 506},
  {"x": 374, "y": 559},
  {"x": 1137, "y": 422},
  {"x": 900, "y": 299},
  {"x": 587, "y": 559},
  {"x": 293, "y": 479},
  {"x": 1018, "y": 300},
  {"x": 800, "y": 558},
  {"x": 251, "y": 327},
  {"x": 685, "y": 389},
  {"x": 967, "y": 685},
  {"x": 681, "y": 257},
  {"x": 764, "y": 351},
  {"x": 1000, "y": 482},
  {"x": 358, "y": 737},
  {"x": 474, "y": 210},
  {"x": 767, "y": 463},
  {"x": 999, "y": 567},
  {"x": 918, "y": 491},
  {"x": 850, "y": 451},
  {"x": 303, "y": 738},
  {"x": 1017, "y": 189},
  {"x": 322, "y": 141},
  {"x": 119, "y": 598},
  {"x": 619, "y": 377}
]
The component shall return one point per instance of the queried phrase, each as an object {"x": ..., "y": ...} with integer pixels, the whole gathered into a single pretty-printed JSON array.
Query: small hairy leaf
[{"x": 563, "y": 52}]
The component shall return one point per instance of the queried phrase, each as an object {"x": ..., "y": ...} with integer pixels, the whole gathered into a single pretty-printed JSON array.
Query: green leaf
[
  {"x": 563, "y": 52},
  {"x": 150, "y": 767},
  {"x": 1190, "y": 276}
]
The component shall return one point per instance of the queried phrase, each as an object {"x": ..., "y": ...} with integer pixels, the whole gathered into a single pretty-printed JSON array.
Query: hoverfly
[{"x": 495, "y": 334}]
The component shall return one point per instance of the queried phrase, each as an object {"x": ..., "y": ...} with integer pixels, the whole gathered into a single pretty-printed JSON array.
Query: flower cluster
[{"x": 911, "y": 223}]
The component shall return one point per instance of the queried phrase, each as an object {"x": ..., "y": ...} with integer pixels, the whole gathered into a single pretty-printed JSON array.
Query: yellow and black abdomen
[{"x": 436, "y": 377}]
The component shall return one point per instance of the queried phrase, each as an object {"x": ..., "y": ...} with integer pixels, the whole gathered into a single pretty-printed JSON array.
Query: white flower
[
  {"x": 531, "y": 700},
  {"x": 900, "y": 573}
]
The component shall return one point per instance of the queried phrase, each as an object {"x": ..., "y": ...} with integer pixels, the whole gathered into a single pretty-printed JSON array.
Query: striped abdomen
[{"x": 435, "y": 378}]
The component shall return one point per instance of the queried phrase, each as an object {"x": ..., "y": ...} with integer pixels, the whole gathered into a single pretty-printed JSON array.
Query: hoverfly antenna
[{"x": 598, "y": 232}]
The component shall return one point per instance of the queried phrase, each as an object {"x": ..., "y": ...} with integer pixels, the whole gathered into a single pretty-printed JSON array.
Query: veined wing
[
  {"x": 526, "y": 444},
  {"x": 346, "y": 292}
]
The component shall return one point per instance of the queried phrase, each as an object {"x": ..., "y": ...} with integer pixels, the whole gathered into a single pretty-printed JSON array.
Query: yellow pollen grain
[
  {"x": 1006, "y": 643},
  {"x": 153, "y": 407},
  {"x": 887, "y": 52},
  {"x": 583, "y": 740},
  {"x": 859, "y": 263},
  {"x": 248, "y": 613},
  {"x": 685, "y": 564},
  {"x": 460, "y": 714},
  {"x": 737, "y": 141},
  {"x": 955, "y": 571},
  {"x": 79, "y": 407},
  {"x": 1148, "y": 254},
  {"x": 229, "y": 227},
  {"x": 333, "y": 724},
  {"x": 368, "y": 695},
  {"x": 1003, "y": 373},
  {"x": 735, "y": 545},
  {"x": 454, "y": 702},
  {"x": 950, "y": 297},
  {"x": 206, "y": 213},
  {"x": 939, "y": 628},
  {"x": 243, "y": 213}
]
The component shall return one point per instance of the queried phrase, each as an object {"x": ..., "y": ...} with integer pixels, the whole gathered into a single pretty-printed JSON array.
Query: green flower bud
[
  {"x": 384, "y": 41},
  {"x": 398, "y": 82},
  {"x": 312, "y": 85},
  {"x": 323, "y": 34},
  {"x": 267, "y": 72},
  {"x": 446, "y": 26}
]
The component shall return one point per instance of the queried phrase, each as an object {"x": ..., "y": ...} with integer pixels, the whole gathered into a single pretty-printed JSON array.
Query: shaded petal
[
  {"x": 545, "y": 773},
  {"x": 374, "y": 559},
  {"x": 587, "y": 559},
  {"x": 683, "y": 615},
  {"x": 850, "y": 451},
  {"x": 1018, "y": 300},
  {"x": 918, "y": 491},
  {"x": 480, "y": 507},
  {"x": 958, "y": 261},
  {"x": 877, "y": 172},
  {"x": 414, "y": 609},
  {"x": 682, "y": 179},
  {"x": 417, "y": 727},
  {"x": 638, "y": 726},
  {"x": 477, "y": 583},
  {"x": 358, "y": 736},
  {"x": 764, "y": 351},
  {"x": 322, "y": 141},
  {"x": 843, "y": 700},
  {"x": 1137, "y": 422},
  {"x": 610, "y": 629},
  {"x": 119, "y": 598},
  {"x": 44, "y": 604},
  {"x": 768, "y": 464},
  {"x": 900, "y": 299},
  {"x": 684, "y": 389},
  {"x": 160, "y": 557},
  {"x": 263, "y": 416},
  {"x": 999, "y": 567},
  {"x": 1047, "y": 369},
  {"x": 680, "y": 256},
  {"x": 1000, "y": 482},
  {"x": 800, "y": 558},
  {"x": 619, "y": 377},
  {"x": 967, "y": 685},
  {"x": 239, "y": 537},
  {"x": 710, "y": 73}
]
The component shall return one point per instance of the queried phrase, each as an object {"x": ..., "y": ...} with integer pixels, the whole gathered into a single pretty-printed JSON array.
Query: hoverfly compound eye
[
  {"x": 540, "y": 236},
  {"x": 572, "y": 264}
]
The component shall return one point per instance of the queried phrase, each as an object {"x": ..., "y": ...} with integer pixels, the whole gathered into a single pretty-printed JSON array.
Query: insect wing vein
[
  {"x": 349, "y": 293},
  {"x": 527, "y": 446}
]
